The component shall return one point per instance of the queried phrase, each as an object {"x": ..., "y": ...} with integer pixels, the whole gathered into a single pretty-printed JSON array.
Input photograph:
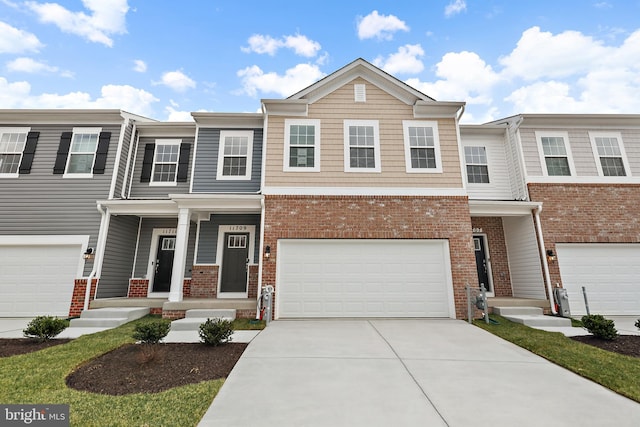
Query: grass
[
  {"x": 614, "y": 371},
  {"x": 39, "y": 377},
  {"x": 248, "y": 324}
]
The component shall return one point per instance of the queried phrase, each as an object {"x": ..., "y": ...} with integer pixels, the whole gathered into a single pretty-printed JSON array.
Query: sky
[{"x": 164, "y": 59}]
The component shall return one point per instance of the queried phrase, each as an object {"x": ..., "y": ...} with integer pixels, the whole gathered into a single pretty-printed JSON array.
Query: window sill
[
  {"x": 77, "y": 175},
  {"x": 163, "y": 184}
]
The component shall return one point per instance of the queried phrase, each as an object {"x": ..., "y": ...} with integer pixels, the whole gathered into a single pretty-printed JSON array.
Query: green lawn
[
  {"x": 40, "y": 378},
  {"x": 614, "y": 371}
]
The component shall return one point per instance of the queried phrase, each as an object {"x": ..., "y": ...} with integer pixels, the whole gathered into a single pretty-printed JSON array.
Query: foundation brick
[{"x": 78, "y": 296}]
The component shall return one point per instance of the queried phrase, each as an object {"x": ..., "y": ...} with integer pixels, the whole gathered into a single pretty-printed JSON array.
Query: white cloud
[
  {"x": 255, "y": 80},
  {"x": 13, "y": 40},
  {"x": 29, "y": 65},
  {"x": 139, "y": 66},
  {"x": 405, "y": 61},
  {"x": 107, "y": 18},
  {"x": 300, "y": 44},
  {"x": 177, "y": 81},
  {"x": 455, "y": 7},
  {"x": 174, "y": 115},
  {"x": 379, "y": 26}
]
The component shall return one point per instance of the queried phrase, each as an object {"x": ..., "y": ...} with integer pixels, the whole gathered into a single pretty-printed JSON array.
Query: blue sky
[{"x": 164, "y": 59}]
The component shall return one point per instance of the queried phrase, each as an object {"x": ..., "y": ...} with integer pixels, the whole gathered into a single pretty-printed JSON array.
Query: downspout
[
  {"x": 543, "y": 255},
  {"x": 97, "y": 259},
  {"x": 133, "y": 143},
  {"x": 260, "y": 258}
]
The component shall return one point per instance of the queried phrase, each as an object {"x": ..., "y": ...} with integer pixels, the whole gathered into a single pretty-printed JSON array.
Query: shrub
[
  {"x": 215, "y": 331},
  {"x": 600, "y": 327},
  {"x": 151, "y": 332},
  {"x": 637, "y": 324},
  {"x": 45, "y": 327}
]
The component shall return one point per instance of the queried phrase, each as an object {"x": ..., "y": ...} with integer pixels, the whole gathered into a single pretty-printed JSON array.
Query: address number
[{"x": 238, "y": 228}]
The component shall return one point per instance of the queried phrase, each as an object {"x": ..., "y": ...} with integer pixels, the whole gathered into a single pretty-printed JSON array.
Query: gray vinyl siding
[
  {"x": 524, "y": 257},
  {"x": 515, "y": 167},
  {"x": 41, "y": 203},
  {"x": 144, "y": 245},
  {"x": 122, "y": 164},
  {"x": 631, "y": 140},
  {"x": 208, "y": 239},
  {"x": 204, "y": 179},
  {"x": 118, "y": 257},
  {"x": 144, "y": 190}
]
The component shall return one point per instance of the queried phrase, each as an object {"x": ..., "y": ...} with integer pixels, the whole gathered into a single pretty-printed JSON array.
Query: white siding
[
  {"x": 499, "y": 186},
  {"x": 524, "y": 258}
]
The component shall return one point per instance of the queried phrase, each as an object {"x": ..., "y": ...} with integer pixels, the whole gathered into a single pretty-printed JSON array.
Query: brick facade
[
  {"x": 204, "y": 281},
  {"x": 587, "y": 213},
  {"x": 138, "y": 288},
  {"x": 492, "y": 227},
  {"x": 379, "y": 217},
  {"x": 78, "y": 296}
]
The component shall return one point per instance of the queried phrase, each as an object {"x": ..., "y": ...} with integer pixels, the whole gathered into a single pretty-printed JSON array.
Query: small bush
[
  {"x": 45, "y": 327},
  {"x": 215, "y": 332},
  {"x": 600, "y": 327},
  {"x": 637, "y": 324},
  {"x": 151, "y": 332}
]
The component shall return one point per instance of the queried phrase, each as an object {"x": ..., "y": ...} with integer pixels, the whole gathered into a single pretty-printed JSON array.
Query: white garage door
[
  {"x": 37, "y": 279},
  {"x": 609, "y": 272},
  {"x": 364, "y": 278}
]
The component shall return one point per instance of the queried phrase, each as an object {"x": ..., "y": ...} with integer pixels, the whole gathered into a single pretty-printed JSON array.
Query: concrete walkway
[{"x": 404, "y": 373}]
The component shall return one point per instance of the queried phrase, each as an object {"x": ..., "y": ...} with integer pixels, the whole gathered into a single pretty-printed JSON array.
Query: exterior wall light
[
  {"x": 551, "y": 256},
  {"x": 267, "y": 252},
  {"x": 89, "y": 254}
]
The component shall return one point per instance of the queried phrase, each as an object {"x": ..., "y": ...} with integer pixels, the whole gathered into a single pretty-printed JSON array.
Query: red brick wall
[
  {"x": 79, "y": 292},
  {"x": 138, "y": 288},
  {"x": 587, "y": 213},
  {"x": 252, "y": 291},
  {"x": 384, "y": 217},
  {"x": 492, "y": 227},
  {"x": 204, "y": 281}
]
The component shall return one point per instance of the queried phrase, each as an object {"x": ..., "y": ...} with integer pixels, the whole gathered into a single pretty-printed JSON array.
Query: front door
[
  {"x": 235, "y": 260},
  {"x": 482, "y": 263},
  {"x": 164, "y": 264}
]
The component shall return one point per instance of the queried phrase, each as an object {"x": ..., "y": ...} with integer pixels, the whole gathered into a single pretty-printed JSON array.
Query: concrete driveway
[{"x": 404, "y": 373}]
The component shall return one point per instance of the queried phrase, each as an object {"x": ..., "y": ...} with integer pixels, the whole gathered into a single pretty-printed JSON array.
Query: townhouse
[{"x": 358, "y": 196}]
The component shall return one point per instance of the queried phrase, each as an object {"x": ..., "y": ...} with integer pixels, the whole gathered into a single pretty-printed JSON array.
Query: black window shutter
[
  {"x": 29, "y": 152},
  {"x": 101, "y": 152},
  {"x": 63, "y": 152},
  {"x": 183, "y": 162},
  {"x": 147, "y": 162}
]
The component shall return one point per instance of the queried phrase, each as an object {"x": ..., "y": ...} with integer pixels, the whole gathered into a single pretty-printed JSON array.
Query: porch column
[{"x": 180, "y": 255}]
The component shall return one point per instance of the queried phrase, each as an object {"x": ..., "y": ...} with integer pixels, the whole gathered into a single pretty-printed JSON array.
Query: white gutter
[
  {"x": 98, "y": 255},
  {"x": 461, "y": 151},
  {"x": 116, "y": 163},
  {"x": 135, "y": 157},
  {"x": 132, "y": 143},
  {"x": 545, "y": 264},
  {"x": 260, "y": 258}
]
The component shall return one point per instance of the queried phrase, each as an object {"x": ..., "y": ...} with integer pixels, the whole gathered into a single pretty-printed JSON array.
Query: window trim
[
  {"x": 406, "y": 124},
  {"x": 466, "y": 164},
  {"x": 20, "y": 130},
  {"x": 567, "y": 147},
  {"x": 223, "y": 134},
  {"x": 376, "y": 146},
  {"x": 82, "y": 130},
  {"x": 287, "y": 146},
  {"x": 623, "y": 154},
  {"x": 173, "y": 183}
]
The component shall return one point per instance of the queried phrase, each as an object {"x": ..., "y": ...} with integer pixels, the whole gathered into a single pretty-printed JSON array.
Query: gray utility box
[{"x": 562, "y": 299}]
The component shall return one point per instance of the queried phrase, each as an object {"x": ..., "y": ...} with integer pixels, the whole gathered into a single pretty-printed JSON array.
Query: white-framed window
[
  {"x": 12, "y": 143},
  {"x": 422, "y": 146},
  {"x": 82, "y": 152},
  {"x": 608, "y": 149},
  {"x": 361, "y": 146},
  {"x": 301, "y": 145},
  {"x": 477, "y": 166},
  {"x": 235, "y": 154},
  {"x": 165, "y": 162},
  {"x": 555, "y": 153}
]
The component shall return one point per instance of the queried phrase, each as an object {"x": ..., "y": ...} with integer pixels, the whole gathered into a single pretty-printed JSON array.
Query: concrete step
[
  {"x": 539, "y": 320},
  {"x": 193, "y": 323},
  {"x": 518, "y": 311},
  {"x": 112, "y": 322},
  {"x": 108, "y": 317},
  {"x": 211, "y": 313}
]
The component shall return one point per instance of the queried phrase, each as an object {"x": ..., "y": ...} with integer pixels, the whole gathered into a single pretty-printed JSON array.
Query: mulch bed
[
  {"x": 624, "y": 344},
  {"x": 137, "y": 368},
  {"x": 15, "y": 346}
]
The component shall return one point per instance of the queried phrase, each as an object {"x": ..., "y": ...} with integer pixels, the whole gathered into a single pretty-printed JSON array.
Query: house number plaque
[
  {"x": 476, "y": 230},
  {"x": 238, "y": 228}
]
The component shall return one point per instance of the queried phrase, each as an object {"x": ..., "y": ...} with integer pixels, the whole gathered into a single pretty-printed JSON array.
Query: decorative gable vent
[{"x": 360, "y": 92}]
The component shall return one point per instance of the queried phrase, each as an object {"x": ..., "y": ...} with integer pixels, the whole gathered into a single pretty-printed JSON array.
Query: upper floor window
[
  {"x": 422, "y": 146},
  {"x": 610, "y": 155},
  {"x": 302, "y": 145},
  {"x": 165, "y": 162},
  {"x": 555, "y": 153},
  {"x": 12, "y": 144},
  {"x": 235, "y": 154},
  {"x": 82, "y": 153},
  {"x": 477, "y": 166},
  {"x": 361, "y": 146}
]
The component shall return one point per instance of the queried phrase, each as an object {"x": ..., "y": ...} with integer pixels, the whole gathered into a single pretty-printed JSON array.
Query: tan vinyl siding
[
  {"x": 390, "y": 112},
  {"x": 631, "y": 140}
]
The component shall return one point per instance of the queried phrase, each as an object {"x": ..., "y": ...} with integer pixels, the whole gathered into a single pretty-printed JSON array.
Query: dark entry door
[
  {"x": 235, "y": 262},
  {"x": 164, "y": 264},
  {"x": 481, "y": 262}
]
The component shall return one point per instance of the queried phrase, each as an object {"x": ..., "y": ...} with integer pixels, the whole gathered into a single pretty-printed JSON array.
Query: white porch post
[{"x": 180, "y": 255}]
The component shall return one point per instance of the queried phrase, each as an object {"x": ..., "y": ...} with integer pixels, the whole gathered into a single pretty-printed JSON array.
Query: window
[
  {"x": 165, "y": 162},
  {"x": 82, "y": 151},
  {"x": 477, "y": 167},
  {"x": 12, "y": 144},
  {"x": 555, "y": 154},
  {"x": 234, "y": 158},
  {"x": 421, "y": 147},
  {"x": 611, "y": 159},
  {"x": 302, "y": 145},
  {"x": 361, "y": 146}
]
